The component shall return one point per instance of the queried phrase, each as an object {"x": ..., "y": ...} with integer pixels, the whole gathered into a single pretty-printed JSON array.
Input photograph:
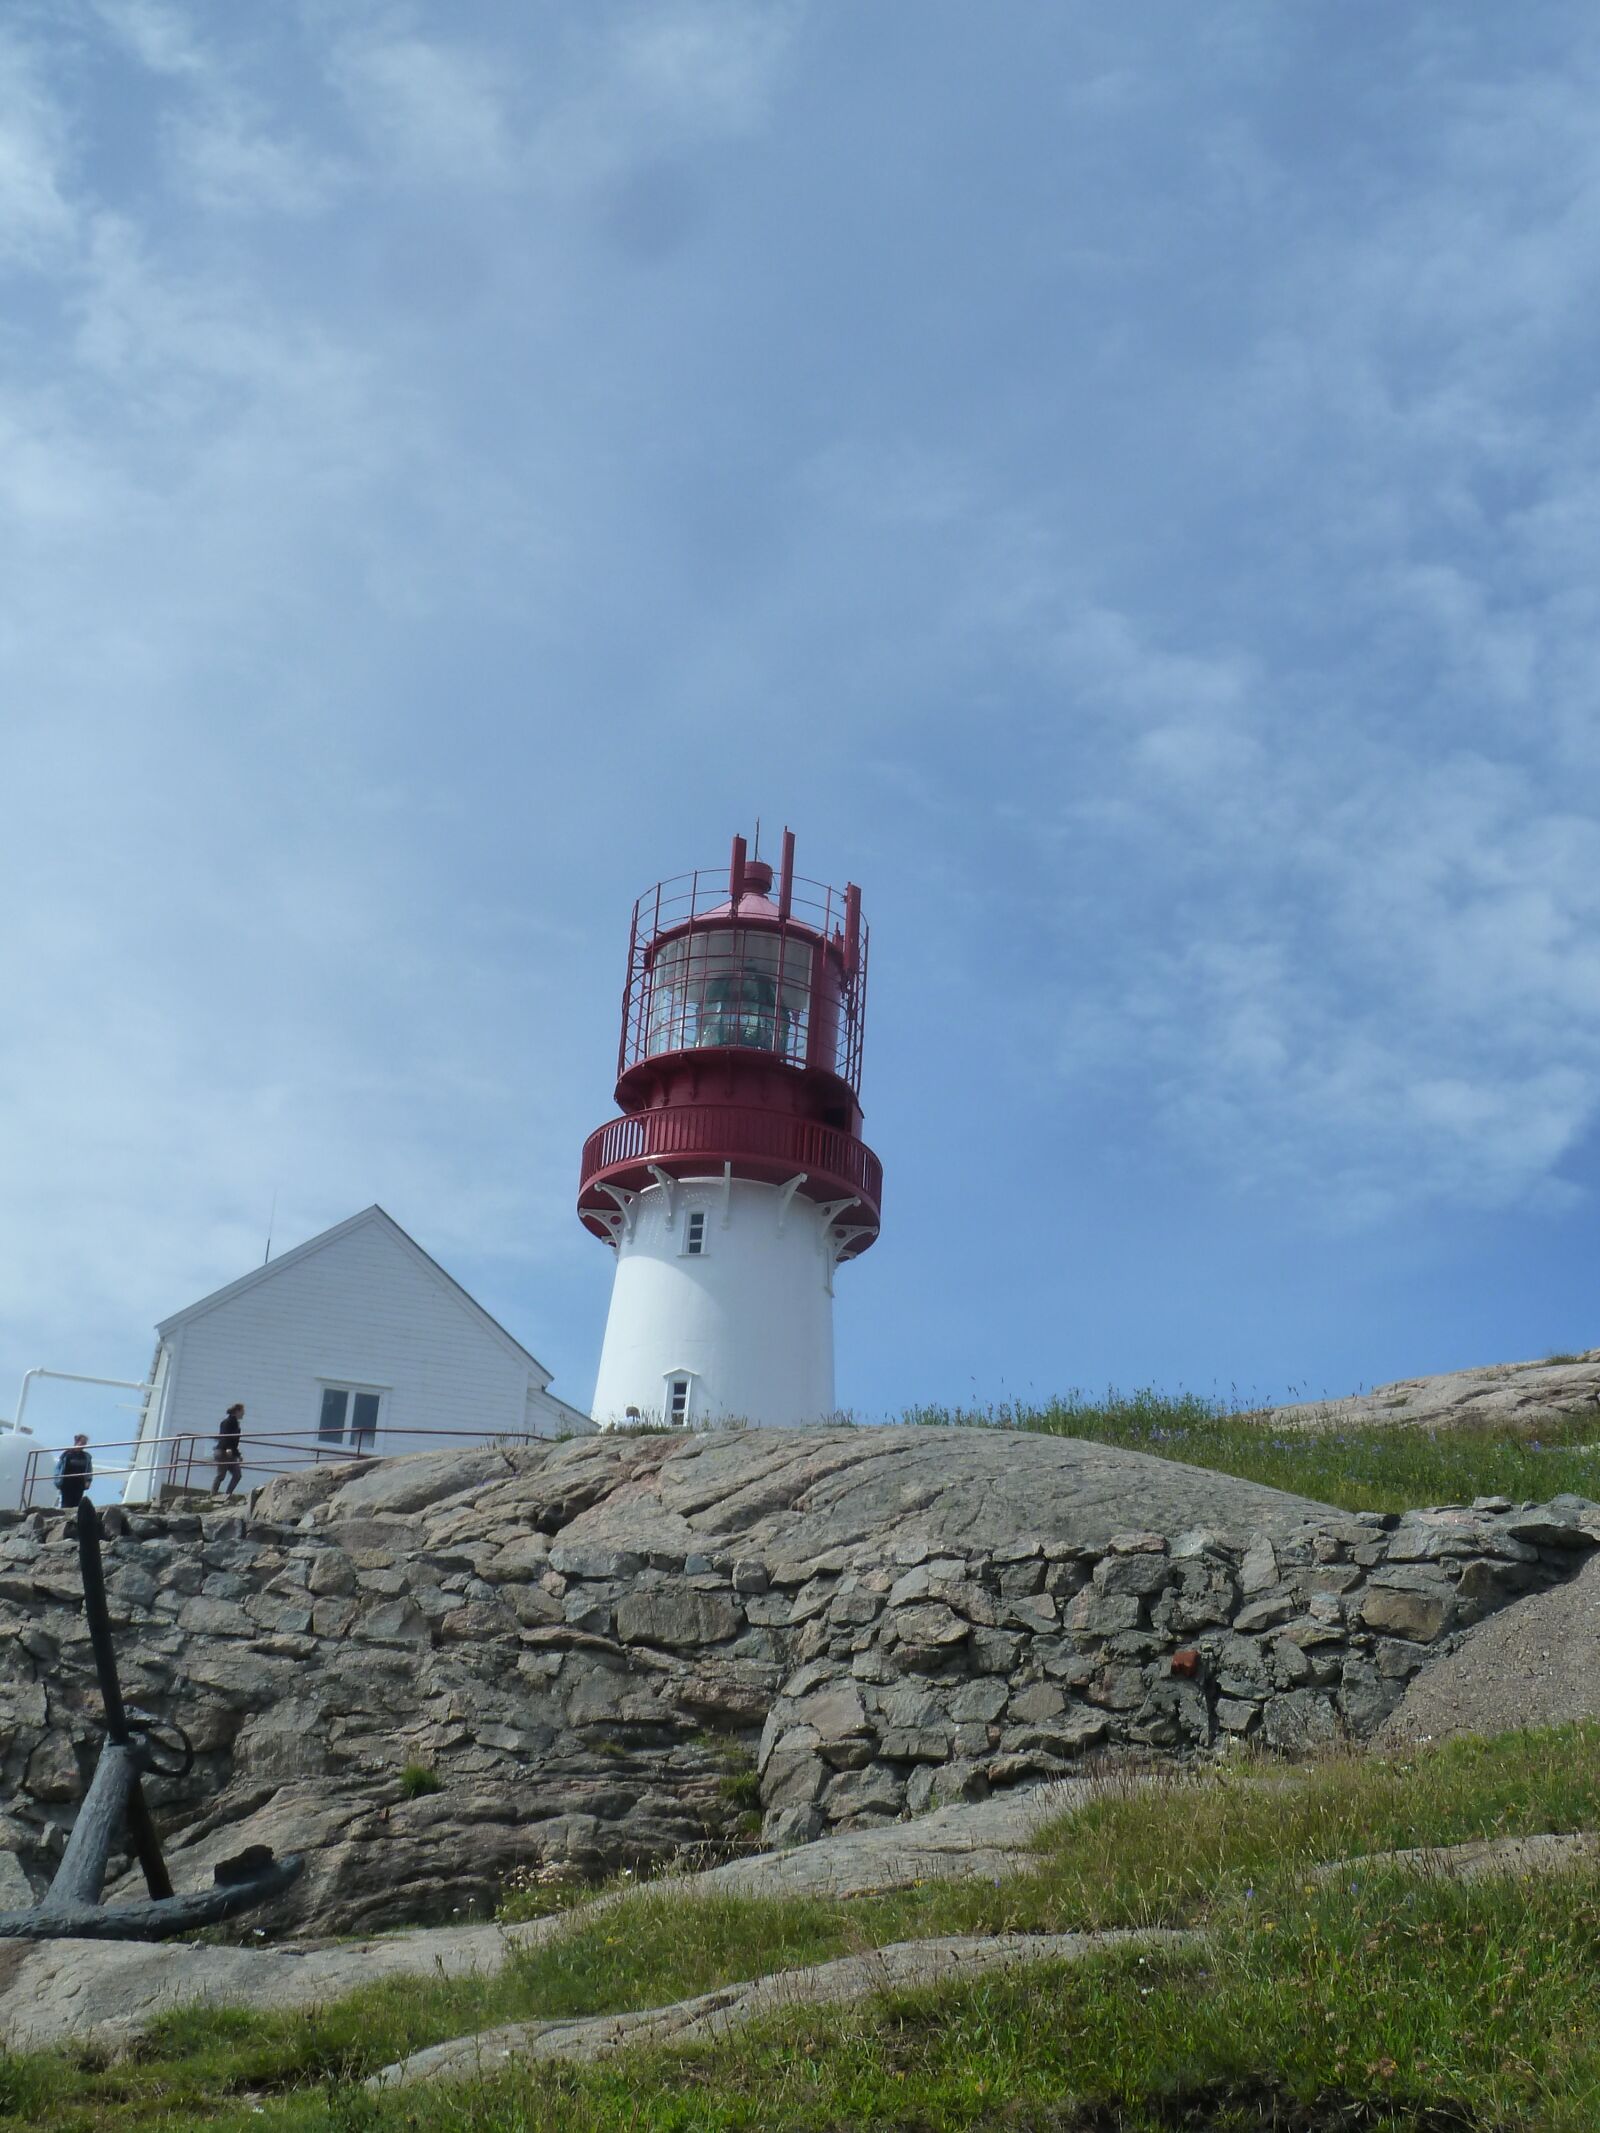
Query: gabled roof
[{"x": 367, "y": 1217}]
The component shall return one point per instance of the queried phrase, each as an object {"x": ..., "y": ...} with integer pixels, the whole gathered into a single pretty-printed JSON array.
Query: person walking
[
  {"x": 230, "y": 1462},
  {"x": 74, "y": 1472}
]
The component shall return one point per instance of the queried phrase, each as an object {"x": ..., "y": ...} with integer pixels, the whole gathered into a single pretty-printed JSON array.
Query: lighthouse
[{"x": 736, "y": 1180}]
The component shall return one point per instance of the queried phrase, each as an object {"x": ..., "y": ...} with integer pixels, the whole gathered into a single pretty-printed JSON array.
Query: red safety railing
[
  {"x": 835, "y": 1163},
  {"x": 186, "y": 1463}
]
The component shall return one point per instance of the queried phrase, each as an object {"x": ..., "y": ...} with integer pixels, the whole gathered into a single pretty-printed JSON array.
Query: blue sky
[{"x": 1124, "y": 484}]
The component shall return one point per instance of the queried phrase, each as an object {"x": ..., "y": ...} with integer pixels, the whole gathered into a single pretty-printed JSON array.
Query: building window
[
  {"x": 677, "y": 1401},
  {"x": 349, "y": 1415},
  {"x": 694, "y": 1233}
]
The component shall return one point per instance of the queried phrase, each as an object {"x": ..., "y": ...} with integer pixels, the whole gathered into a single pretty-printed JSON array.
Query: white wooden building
[{"x": 353, "y": 1342}]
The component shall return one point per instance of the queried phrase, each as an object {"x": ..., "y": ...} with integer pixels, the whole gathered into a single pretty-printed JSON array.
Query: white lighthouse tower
[{"x": 736, "y": 1180}]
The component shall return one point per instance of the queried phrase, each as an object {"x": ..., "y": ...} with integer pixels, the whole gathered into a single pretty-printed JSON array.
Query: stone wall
[
  {"x": 310, "y": 1669},
  {"x": 943, "y": 1677},
  {"x": 585, "y": 1706}
]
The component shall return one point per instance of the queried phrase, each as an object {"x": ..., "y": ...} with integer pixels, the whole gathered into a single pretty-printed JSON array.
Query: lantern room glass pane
[{"x": 730, "y": 986}]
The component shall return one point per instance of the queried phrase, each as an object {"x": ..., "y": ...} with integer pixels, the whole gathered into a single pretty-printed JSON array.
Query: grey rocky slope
[
  {"x": 1533, "y": 1665},
  {"x": 593, "y": 1648},
  {"x": 901, "y": 1966},
  {"x": 1504, "y": 1395},
  {"x": 108, "y": 1992}
]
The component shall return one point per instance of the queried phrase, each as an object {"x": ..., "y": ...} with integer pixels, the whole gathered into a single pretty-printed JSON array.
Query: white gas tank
[{"x": 15, "y": 1446}]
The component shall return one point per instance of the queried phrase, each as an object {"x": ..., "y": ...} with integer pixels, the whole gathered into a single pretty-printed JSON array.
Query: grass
[
  {"x": 741, "y": 1789},
  {"x": 1383, "y": 1469},
  {"x": 1375, "y": 1984},
  {"x": 417, "y": 1781}
]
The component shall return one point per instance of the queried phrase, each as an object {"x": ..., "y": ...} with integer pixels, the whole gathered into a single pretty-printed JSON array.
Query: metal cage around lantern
[
  {"x": 710, "y": 972},
  {"x": 743, "y": 1017}
]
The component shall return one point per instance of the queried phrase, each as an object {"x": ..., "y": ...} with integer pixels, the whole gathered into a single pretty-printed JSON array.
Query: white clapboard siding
[{"x": 360, "y": 1305}]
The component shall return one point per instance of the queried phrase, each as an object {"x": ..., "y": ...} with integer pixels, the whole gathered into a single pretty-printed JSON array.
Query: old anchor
[{"x": 73, "y": 1910}]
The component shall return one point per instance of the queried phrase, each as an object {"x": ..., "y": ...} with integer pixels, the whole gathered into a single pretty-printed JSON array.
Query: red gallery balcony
[{"x": 696, "y": 1140}]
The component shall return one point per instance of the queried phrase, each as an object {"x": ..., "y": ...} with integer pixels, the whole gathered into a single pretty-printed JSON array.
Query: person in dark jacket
[
  {"x": 74, "y": 1472},
  {"x": 230, "y": 1463}
]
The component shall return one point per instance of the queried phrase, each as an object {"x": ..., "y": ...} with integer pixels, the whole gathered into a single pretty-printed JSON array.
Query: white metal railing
[{"x": 187, "y": 1464}]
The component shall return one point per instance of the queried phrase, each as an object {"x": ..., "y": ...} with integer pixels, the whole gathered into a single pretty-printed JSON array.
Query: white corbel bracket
[
  {"x": 669, "y": 1185},
  {"x": 838, "y": 1240},
  {"x": 627, "y": 1211},
  {"x": 727, "y": 1196},
  {"x": 786, "y": 1195},
  {"x": 832, "y": 1209}
]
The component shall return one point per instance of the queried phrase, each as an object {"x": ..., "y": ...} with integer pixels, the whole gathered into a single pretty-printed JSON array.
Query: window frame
[
  {"x": 357, "y": 1443},
  {"x": 695, "y": 1226}
]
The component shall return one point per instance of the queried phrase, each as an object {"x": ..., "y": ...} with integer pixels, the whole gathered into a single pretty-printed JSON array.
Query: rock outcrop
[
  {"x": 1533, "y": 1665},
  {"x": 433, "y": 1673},
  {"x": 1499, "y": 1395},
  {"x": 106, "y": 1993}
]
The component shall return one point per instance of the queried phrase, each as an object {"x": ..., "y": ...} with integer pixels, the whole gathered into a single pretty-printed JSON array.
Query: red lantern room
[{"x": 740, "y": 1057}]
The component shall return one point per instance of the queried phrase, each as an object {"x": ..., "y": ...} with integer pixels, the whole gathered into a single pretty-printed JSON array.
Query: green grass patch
[
  {"x": 417, "y": 1781},
  {"x": 1414, "y": 1998},
  {"x": 1388, "y": 1469},
  {"x": 741, "y": 1789},
  {"x": 1376, "y": 1985}
]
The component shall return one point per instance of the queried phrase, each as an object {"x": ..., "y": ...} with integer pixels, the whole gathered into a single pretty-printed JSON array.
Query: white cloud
[
  {"x": 161, "y": 37},
  {"x": 231, "y": 160},
  {"x": 709, "y": 66},
  {"x": 37, "y": 220},
  {"x": 1253, "y": 596},
  {"x": 658, "y": 80},
  {"x": 433, "y": 109}
]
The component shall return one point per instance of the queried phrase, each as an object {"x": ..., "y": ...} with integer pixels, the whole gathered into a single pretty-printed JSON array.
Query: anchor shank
[
  {"x": 98, "y": 1616},
  {"x": 73, "y": 1909},
  {"x": 81, "y": 1876}
]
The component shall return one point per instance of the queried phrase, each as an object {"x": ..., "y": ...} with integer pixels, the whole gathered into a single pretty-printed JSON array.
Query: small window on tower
[
  {"x": 678, "y": 1401},
  {"x": 694, "y": 1234}
]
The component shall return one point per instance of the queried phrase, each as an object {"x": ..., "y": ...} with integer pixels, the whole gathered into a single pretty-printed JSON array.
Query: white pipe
[{"x": 74, "y": 1377}]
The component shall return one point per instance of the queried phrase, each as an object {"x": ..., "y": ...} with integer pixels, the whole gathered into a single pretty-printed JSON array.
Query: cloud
[
  {"x": 710, "y": 66},
  {"x": 436, "y": 110},
  {"x": 1149, "y": 522},
  {"x": 652, "y": 84},
  {"x": 231, "y": 160},
  {"x": 161, "y": 37},
  {"x": 37, "y": 220}
]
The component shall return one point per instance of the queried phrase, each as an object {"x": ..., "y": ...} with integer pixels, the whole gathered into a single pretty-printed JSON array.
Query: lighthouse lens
[{"x": 733, "y": 987}]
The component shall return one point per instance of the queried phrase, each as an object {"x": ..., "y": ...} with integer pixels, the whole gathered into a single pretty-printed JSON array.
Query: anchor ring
[{"x": 161, "y": 1747}]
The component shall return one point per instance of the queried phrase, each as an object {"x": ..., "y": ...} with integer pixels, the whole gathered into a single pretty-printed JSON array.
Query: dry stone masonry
[
  {"x": 590, "y": 1650},
  {"x": 943, "y": 1678}
]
